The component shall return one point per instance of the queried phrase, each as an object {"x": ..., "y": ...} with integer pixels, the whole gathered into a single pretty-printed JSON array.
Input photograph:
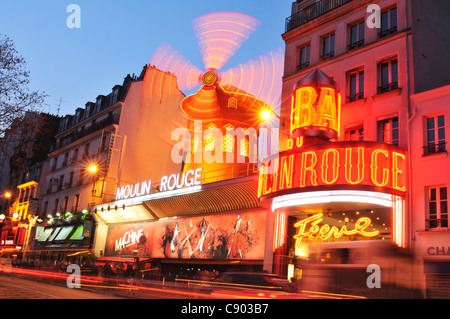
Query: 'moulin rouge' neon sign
[
  {"x": 324, "y": 232},
  {"x": 340, "y": 165}
]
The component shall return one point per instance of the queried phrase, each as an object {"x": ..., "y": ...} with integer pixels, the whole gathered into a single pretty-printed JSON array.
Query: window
[
  {"x": 388, "y": 22},
  {"x": 66, "y": 159},
  {"x": 81, "y": 176},
  {"x": 328, "y": 47},
  {"x": 355, "y": 134},
  {"x": 86, "y": 150},
  {"x": 437, "y": 207},
  {"x": 356, "y": 85},
  {"x": 435, "y": 135},
  {"x": 388, "y": 131},
  {"x": 69, "y": 185},
  {"x": 304, "y": 57},
  {"x": 76, "y": 200},
  {"x": 50, "y": 184},
  {"x": 104, "y": 147},
  {"x": 210, "y": 139},
  {"x": 228, "y": 143},
  {"x": 55, "y": 161},
  {"x": 356, "y": 35},
  {"x": 388, "y": 75},
  {"x": 55, "y": 208},
  {"x": 61, "y": 181},
  {"x": 75, "y": 155},
  {"x": 45, "y": 209},
  {"x": 66, "y": 202},
  {"x": 195, "y": 143}
]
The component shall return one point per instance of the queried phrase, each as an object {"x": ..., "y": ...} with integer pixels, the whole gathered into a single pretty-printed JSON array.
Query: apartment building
[{"x": 393, "y": 88}]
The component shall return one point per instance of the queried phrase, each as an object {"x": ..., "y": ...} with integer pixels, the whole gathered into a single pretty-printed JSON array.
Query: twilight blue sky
[{"x": 119, "y": 37}]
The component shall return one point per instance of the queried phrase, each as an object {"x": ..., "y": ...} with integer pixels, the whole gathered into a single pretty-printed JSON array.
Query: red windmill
[{"x": 226, "y": 100}]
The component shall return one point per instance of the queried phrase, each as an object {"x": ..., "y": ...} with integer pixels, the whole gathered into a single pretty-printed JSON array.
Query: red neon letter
[
  {"x": 349, "y": 165},
  {"x": 326, "y": 108},
  {"x": 304, "y": 168},
  {"x": 303, "y": 113},
  {"x": 287, "y": 171},
  {"x": 396, "y": 171},
  {"x": 374, "y": 168},
  {"x": 334, "y": 166}
]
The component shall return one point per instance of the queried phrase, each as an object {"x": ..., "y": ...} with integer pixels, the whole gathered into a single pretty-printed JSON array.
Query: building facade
[
  {"x": 28, "y": 140},
  {"x": 383, "y": 74}
]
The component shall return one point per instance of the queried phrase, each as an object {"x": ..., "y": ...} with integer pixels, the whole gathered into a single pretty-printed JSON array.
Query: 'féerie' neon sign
[{"x": 324, "y": 232}]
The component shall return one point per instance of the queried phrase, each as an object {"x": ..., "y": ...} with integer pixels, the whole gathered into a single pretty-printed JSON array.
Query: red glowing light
[{"x": 349, "y": 164}]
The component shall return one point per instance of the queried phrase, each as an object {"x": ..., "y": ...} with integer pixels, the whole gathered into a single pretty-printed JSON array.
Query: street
[{"x": 17, "y": 288}]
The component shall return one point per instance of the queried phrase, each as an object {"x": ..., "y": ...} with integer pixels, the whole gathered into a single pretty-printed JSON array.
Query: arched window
[
  {"x": 228, "y": 141},
  {"x": 210, "y": 139}
]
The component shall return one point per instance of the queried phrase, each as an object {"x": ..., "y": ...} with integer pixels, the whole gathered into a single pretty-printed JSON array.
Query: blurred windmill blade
[
  {"x": 168, "y": 59},
  {"x": 260, "y": 77},
  {"x": 221, "y": 34}
]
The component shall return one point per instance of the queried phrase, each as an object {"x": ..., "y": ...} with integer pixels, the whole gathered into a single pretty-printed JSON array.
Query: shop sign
[
  {"x": 355, "y": 164},
  {"x": 324, "y": 232},
  {"x": 438, "y": 251}
]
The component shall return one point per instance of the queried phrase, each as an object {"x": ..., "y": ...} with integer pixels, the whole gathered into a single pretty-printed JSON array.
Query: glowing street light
[
  {"x": 93, "y": 168},
  {"x": 8, "y": 194},
  {"x": 266, "y": 114}
]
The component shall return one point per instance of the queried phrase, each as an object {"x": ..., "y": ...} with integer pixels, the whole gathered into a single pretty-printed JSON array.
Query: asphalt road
[{"x": 17, "y": 288}]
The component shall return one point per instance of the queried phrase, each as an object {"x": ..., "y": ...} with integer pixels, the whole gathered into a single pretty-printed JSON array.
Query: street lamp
[
  {"x": 93, "y": 168},
  {"x": 266, "y": 114}
]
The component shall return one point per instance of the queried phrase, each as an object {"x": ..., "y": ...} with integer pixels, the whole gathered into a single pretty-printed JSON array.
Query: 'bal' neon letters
[{"x": 315, "y": 108}]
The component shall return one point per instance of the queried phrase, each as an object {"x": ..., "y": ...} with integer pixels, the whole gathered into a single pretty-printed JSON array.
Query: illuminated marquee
[
  {"x": 350, "y": 165},
  {"x": 324, "y": 232}
]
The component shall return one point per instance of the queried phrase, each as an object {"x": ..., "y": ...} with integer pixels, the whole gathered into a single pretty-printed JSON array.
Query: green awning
[{"x": 78, "y": 234}]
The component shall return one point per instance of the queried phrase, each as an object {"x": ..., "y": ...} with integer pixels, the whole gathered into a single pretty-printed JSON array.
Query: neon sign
[
  {"x": 317, "y": 109},
  {"x": 351, "y": 165},
  {"x": 130, "y": 191},
  {"x": 174, "y": 181},
  {"x": 177, "y": 181},
  {"x": 324, "y": 232}
]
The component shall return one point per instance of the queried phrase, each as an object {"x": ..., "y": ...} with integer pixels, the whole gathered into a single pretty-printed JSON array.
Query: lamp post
[{"x": 95, "y": 171}]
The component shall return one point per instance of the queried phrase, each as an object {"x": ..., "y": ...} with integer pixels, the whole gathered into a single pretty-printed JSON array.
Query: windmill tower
[{"x": 224, "y": 115}]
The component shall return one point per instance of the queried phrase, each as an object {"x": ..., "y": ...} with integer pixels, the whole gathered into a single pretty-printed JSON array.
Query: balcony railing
[
  {"x": 387, "y": 87},
  {"x": 70, "y": 138},
  {"x": 355, "y": 97},
  {"x": 312, "y": 12},
  {"x": 437, "y": 223},
  {"x": 433, "y": 148}
]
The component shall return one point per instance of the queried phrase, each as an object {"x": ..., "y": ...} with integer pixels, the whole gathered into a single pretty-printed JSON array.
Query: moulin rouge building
[
  {"x": 394, "y": 104},
  {"x": 340, "y": 191}
]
